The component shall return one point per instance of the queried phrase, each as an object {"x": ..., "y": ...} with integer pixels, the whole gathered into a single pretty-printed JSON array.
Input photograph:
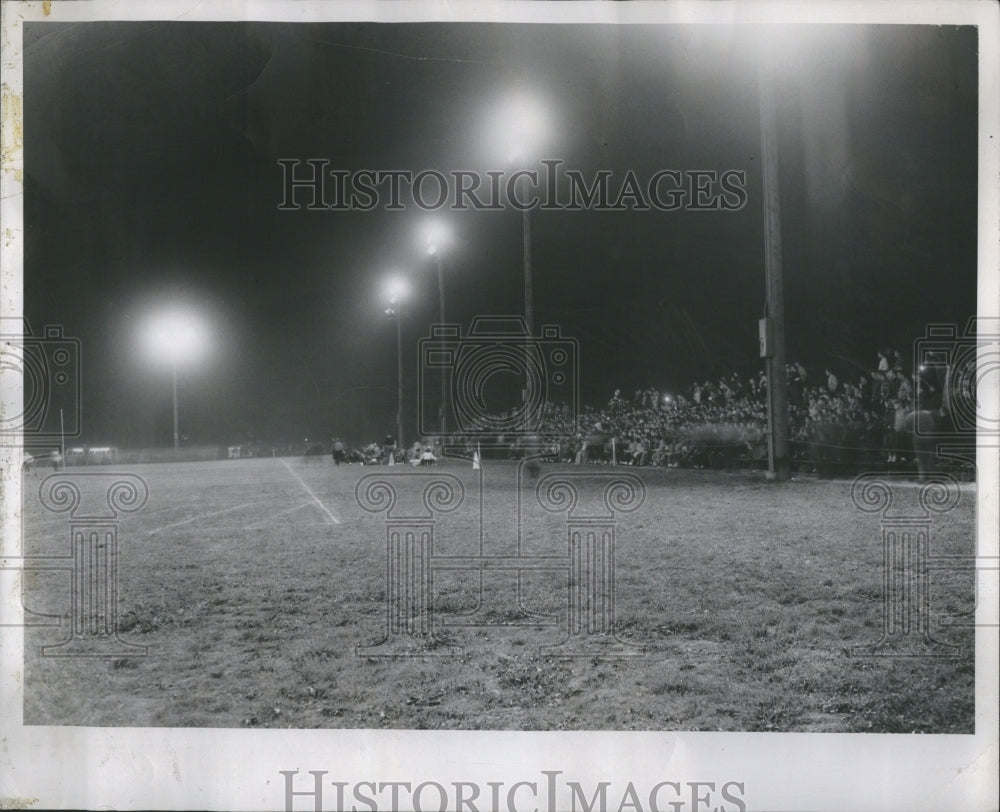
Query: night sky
[{"x": 152, "y": 176}]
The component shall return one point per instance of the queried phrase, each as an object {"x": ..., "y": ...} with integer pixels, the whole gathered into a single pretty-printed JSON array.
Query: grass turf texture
[{"x": 744, "y": 595}]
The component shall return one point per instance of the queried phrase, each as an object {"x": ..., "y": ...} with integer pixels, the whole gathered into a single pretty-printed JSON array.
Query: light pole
[
  {"x": 397, "y": 289},
  {"x": 176, "y": 336},
  {"x": 524, "y": 125},
  {"x": 436, "y": 236},
  {"x": 173, "y": 377},
  {"x": 529, "y": 302}
]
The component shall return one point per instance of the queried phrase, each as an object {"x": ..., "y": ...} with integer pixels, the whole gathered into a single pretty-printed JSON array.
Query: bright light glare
[
  {"x": 175, "y": 336},
  {"x": 522, "y": 124},
  {"x": 436, "y": 236},
  {"x": 396, "y": 288}
]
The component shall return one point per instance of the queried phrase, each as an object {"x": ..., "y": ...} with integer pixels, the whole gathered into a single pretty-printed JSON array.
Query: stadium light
[
  {"x": 397, "y": 289},
  {"x": 175, "y": 336},
  {"x": 436, "y": 236},
  {"x": 522, "y": 124}
]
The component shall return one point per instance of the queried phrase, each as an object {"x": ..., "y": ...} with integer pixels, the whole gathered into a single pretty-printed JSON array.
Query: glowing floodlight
[
  {"x": 177, "y": 336},
  {"x": 522, "y": 124},
  {"x": 396, "y": 288}
]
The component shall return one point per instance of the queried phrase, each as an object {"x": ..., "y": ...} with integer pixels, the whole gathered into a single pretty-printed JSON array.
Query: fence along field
[{"x": 249, "y": 593}]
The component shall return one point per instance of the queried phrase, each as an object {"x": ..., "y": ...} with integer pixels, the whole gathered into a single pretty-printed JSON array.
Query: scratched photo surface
[{"x": 500, "y": 377}]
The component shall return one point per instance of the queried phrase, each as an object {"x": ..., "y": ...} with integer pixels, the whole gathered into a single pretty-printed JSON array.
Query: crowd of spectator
[
  {"x": 723, "y": 422},
  {"x": 720, "y": 423}
]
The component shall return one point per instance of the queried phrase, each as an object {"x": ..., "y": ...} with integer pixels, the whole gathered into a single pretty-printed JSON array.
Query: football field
[{"x": 289, "y": 592}]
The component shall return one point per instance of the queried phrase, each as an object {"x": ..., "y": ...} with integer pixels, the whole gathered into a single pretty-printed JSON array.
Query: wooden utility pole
[{"x": 773, "y": 330}]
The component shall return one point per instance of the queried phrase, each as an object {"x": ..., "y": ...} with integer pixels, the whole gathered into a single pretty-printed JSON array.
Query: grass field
[{"x": 253, "y": 582}]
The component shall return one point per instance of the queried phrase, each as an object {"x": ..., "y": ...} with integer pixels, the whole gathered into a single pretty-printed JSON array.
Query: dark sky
[{"x": 151, "y": 176}]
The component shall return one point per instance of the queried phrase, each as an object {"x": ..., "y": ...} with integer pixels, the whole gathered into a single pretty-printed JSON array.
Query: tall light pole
[
  {"x": 177, "y": 436},
  {"x": 176, "y": 336},
  {"x": 436, "y": 236},
  {"x": 397, "y": 289},
  {"x": 524, "y": 124},
  {"x": 529, "y": 302}
]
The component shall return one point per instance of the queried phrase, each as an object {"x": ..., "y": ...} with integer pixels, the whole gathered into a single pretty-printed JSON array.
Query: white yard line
[
  {"x": 196, "y": 518},
  {"x": 305, "y": 487},
  {"x": 270, "y": 519}
]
